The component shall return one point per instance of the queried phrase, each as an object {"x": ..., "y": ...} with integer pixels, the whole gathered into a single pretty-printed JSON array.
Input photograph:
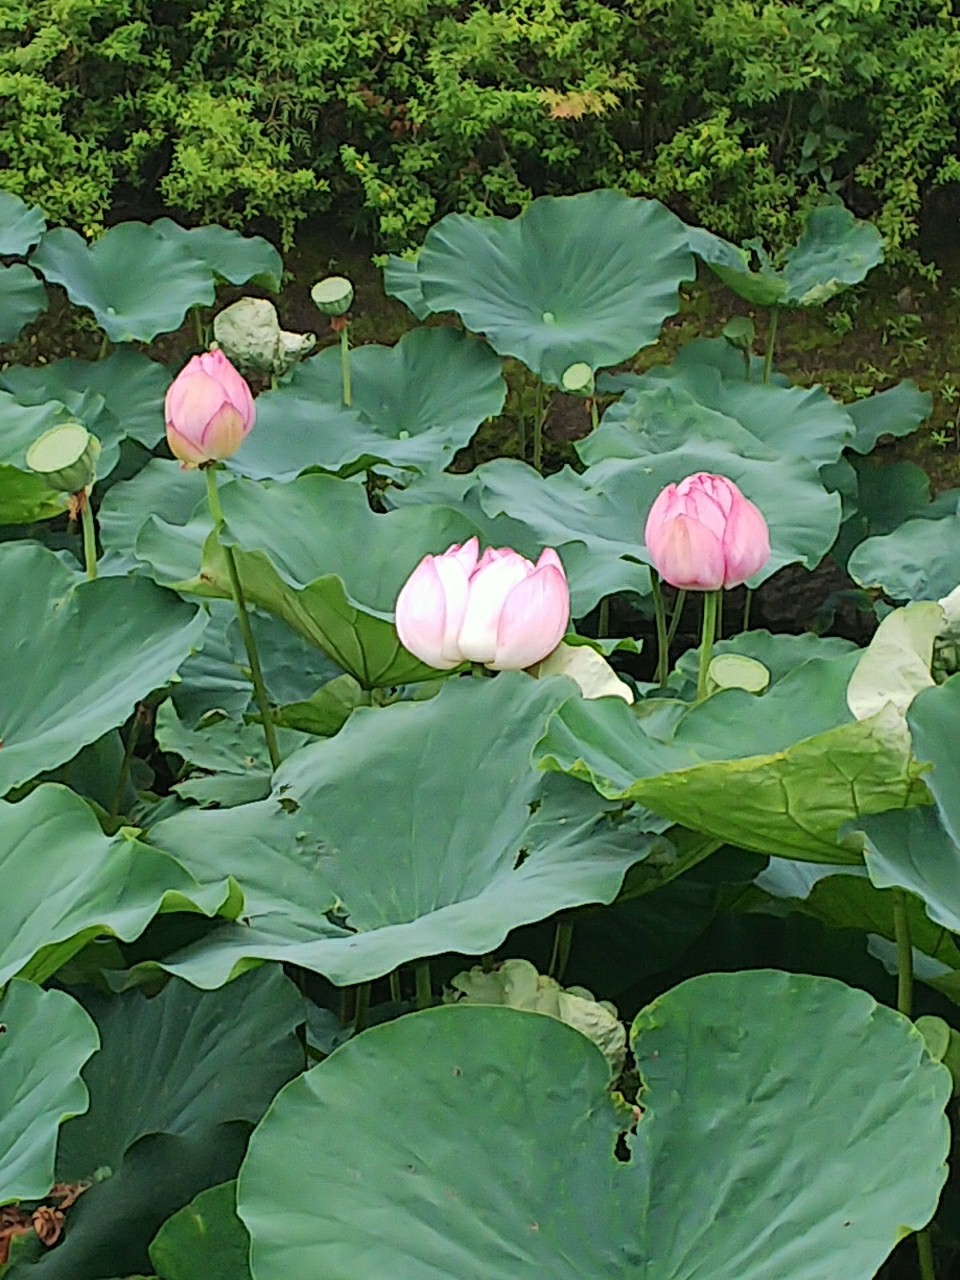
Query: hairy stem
[{"x": 711, "y": 604}]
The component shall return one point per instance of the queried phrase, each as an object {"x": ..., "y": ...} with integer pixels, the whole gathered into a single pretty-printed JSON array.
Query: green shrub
[{"x": 738, "y": 113}]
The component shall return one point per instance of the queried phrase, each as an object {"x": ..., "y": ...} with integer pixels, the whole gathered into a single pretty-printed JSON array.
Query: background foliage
[{"x": 735, "y": 112}]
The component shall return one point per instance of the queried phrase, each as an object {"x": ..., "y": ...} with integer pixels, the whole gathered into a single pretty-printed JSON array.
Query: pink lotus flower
[
  {"x": 703, "y": 534},
  {"x": 209, "y": 411},
  {"x": 500, "y": 609}
]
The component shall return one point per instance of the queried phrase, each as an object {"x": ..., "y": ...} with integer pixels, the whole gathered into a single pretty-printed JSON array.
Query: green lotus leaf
[
  {"x": 132, "y": 388},
  {"x": 231, "y": 256},
  {"x": 229, "y": 759},
  {"x": 25, "y": 497},
  {"x": 22, "y": 299},
  {"x": 74, "y": 883},
  {"x": 401, "y": 280},
  {"x": 47, "y": 1037},
  {"x": 297, "y": 553},
  {"x": 79, "y": 655},
  {"x": 136, "y": 281},
  {"x": 177, "y": 1082},
  {"x": 21, "y": 225},
  {"x": 693, "y": 396},
  {"x": 414, "y": 405},
  {"x": 572, "y": 279},
  {"x": 921, "y": 851},
  {"x": 354, "y": 890},
  {"x": 205, "y": 1240},
  {"x": 835, "y": 251},
  {"x": 896, "y": 412},
  {"x": 162, "y": 489},
  {"x": 799, "y": 767},
  {"x": 917, "y": 561},
  {"x": 729, "y": 1055},
  {"x": 765, "y": 287},
  {"x": 888, "y": 495}
]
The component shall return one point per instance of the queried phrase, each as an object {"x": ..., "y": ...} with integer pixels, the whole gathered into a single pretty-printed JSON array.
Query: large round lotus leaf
[
  {"x": 799, "y": 768},
  {"x": 74, "y": 883},
  {"x": 22, "y": 298},
  {"x": 132, "y": 387},
  {"x": 835, "y": 250},
  {"x": 21, "y": 225},
  {"x": 78, "y": 656},
  {"x": 177, "y": 1081},
  {"x": 692, "y": 394},
  {"x": 136, "y": 281},
  {"x": 314, "y": 554},
  {"x": 920, "y": 850},
  {"x": 25, "y": 498},
  {"x": 918, "y": 561},
  {"x": 454, "y": 843},
  {"x": 204, "y": 1241},
  {"x": 47, "y": 1037},
  {"x": 231, "y": 256},
  {"x": 896, "y": 412},
  {"x": 414, "y": 405},
  {"x": 573, "y": 279},
  {"x": 499, "y": 1161},
  {"x": 888, "y": 495}
]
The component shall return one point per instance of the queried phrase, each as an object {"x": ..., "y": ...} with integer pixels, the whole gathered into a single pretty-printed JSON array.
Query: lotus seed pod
[
  {"x": 333, "y": 295},
  {"x": 578, "y": 380},
  {"x": 66, "y": 457}
]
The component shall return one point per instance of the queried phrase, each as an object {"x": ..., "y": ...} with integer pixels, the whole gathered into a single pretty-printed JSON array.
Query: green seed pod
[
  {"x": 578, "y": 380},
  {"x": 333, "y": 296},
  {"x": 66, "y": 457}
]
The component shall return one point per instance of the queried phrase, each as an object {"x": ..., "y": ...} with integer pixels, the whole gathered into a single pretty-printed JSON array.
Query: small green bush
[{"x": 738, "y": 113}]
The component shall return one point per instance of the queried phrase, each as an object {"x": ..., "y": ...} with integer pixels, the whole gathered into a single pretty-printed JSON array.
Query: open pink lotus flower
[
  {"x": 209, "y": 411},
  {"x": 499, "y": 608},
  {"x": 703, "y": 534}
]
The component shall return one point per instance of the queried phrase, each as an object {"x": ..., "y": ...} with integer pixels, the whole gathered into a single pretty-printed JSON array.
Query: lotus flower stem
[
  {"x": 603, "y": 618},
  {"x": 345, "y": 365},
  {"x": 133, "y": 736},
  {"x": 663, "y": 642},
  {"x": 198, "y": 329},
  {"x": 562, "y": 942},
  {"x": 771, "y": 343},
  {"x": 718, "y": 633},
  {"x": 104, "y": 348},
  {"x": 594, "y": 413},
  {"x": 747, "y": 602},
  {"x": 361, "y": 1010},
  {"x": 680, "y": 601},
  {"x": 396, "y": 995},
  {"x": 243, "y": 618},
  {"x": 424, "y": 986},
  {"x": 538, "y": 414},
  {"x": 711, "y": 605},
  {"x": 901, "y": 929},
  {"x": 89, "y": 536}
]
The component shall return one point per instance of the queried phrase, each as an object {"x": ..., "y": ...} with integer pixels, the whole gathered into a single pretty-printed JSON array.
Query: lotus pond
[{"x": 429, "y": 864}]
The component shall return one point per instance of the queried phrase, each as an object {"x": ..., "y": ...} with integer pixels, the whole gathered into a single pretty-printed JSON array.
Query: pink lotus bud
[
  {"x": 500, "y": 609},
  {"x": 209, "y": 410},
  {"x": 703, "y": 534}
]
